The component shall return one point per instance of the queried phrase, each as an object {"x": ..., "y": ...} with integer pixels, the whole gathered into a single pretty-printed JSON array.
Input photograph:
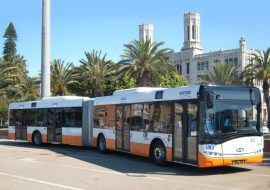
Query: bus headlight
[{"x": 213, "y": 154}]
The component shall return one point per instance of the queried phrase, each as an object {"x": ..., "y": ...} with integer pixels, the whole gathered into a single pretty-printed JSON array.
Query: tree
[
  {"x": 167, "y": 81},
  {"x": 262, "y": 72},
  {"x": 62, "y": 75},
  {"x": 148, "y": 61},
  {"x": 94, "y": 69},
  {"x": 248, "y": 75},
  {"x": 10, "y": 42},
  {"x": 29, "y": 88},
  {"x": 222, "y": 74}
]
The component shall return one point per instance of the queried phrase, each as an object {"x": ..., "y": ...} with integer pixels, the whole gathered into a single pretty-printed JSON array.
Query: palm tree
[
  {"x": 222, "y": 74},
  {"x": 29, "y": 88},
  {"x": 62, "y": 75},
  {"x": 147, "y": 60},
  {"x": 95, "y": 69},
  {"x": 248, "y": 75},
  {"x": 262, "y": 72},
  {"x": 9, "y": 74}
]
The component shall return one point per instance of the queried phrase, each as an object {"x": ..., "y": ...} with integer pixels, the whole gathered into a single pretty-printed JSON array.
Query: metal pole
[{"x": 45, "y": 54}]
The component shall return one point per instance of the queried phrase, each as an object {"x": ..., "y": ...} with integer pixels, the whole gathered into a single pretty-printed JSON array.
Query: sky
[{"x": 78, "y": 26}]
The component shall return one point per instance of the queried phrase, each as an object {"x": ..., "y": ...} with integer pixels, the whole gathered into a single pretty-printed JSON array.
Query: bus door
[
  {"x": 185, "y": 132},
  {"x": 123, "y": 127},
  {"x": 20, "y": 124},
  {"x": 54, "y": 130}
]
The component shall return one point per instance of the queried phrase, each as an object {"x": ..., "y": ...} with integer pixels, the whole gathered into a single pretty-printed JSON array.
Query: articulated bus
[{"x": 200, "y": 125}]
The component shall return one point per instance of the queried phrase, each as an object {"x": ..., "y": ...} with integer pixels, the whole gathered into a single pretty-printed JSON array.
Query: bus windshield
[{"x": 232, "y": 116}]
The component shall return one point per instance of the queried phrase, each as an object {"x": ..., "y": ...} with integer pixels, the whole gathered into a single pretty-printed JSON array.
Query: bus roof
[
  {"x": 145, "y": 94},
  {"x": 51, "y": 102}
]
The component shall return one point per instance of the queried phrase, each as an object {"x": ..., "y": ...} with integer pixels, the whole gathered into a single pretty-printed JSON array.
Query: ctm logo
[{"x": 240, "y": 150}]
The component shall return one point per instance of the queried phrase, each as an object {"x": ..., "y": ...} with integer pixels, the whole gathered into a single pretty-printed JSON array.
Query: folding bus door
[
  {"x": 54, "y": 129},
  {"x": 185, "y": 132},
  {"x": 123, "y": 127},
  {"x": 20, "y": 124}
]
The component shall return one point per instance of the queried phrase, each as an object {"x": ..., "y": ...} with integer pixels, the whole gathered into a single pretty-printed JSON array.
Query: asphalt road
[{"x": 24, "y": 166}]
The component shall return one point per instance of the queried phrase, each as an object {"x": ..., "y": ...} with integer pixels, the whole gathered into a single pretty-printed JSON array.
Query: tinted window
[
  {"x": 72, "y": 117},
  {"x": 36, "y": 117},
  {"x": 160, "y": 117},
  {"x": 137, "y": 117}
]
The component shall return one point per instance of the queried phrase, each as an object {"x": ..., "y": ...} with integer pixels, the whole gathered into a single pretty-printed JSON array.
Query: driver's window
[{"x": 192, "y": 119}]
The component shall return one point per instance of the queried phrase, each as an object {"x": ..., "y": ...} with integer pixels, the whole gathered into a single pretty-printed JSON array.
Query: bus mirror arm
[{"x": 209, "y": 100}]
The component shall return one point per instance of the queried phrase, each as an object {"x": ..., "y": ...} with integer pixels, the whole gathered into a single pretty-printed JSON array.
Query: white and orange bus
[{"x": 199, "y": 125}]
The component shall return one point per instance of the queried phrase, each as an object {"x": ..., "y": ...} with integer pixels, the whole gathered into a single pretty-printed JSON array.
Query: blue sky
[{"x": 83, "y": 25}]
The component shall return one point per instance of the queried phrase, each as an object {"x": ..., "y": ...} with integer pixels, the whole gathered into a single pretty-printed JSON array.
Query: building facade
[{"x": 192, "y": 61}]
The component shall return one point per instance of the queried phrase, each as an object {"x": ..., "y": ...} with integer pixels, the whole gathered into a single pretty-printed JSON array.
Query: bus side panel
[
  {"x": 72, "y": 135},
  {"x": 11, "y": 132},
  {"x": 42, "y": 130},
  {"x": 87, "y": 123},
  {"x": 140, "y": 143},
  {"x": 109, "y": 135}
]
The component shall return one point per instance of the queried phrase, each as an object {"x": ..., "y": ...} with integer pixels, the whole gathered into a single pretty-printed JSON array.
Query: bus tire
[
  {"x": 101, "y": 144},
  {"x": 37, "y": 138},
  {"x": 158, "y": 153}
]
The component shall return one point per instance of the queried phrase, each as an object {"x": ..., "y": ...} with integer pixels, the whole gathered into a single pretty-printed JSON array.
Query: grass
[{"x": 3, "y": 128}]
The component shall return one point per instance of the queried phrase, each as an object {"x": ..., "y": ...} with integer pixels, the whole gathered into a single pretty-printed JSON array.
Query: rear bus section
[{"x": 52, "y": 120}]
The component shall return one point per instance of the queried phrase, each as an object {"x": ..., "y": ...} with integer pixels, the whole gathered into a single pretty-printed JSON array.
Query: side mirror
[{"x": 209, "y": 100}]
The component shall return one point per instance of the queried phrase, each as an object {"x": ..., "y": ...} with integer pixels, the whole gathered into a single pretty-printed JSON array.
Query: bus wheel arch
[
  {"x": 157, "y": 152},
  {"x": 101, "y": 143},
  {"x": 37, "y": 138}
]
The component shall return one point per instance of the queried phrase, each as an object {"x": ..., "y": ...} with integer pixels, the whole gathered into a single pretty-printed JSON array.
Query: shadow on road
[{"x": 126, "y": 163}]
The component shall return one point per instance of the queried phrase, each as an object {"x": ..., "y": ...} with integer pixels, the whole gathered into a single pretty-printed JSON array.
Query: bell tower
[
  {"x": 192, "y": 31},
  {"x": 146, "y": 32}
]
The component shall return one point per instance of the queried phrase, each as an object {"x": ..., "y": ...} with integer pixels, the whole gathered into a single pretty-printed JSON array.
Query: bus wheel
[
  {"x": 158, "y": 153},
  {"x": 37, "y": 138},
  {"x": 101, "y": 144}
]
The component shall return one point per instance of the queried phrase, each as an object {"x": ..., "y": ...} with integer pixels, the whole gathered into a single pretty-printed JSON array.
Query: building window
[
  {"x": 198, "y": 66},
  {"x": 226, "y": 61},
  {"x": 231, "y": 61},
  {"x": 188, "y": 32},
  {"x": 235, "y": 61},
  {"x": 180, "y": 69},
  {"x": 177, "y": 68},
  {"x": 216, "y": 61},
  {"x": 188, "y": 68},
  {"x": 202, "y": 66},
  {"x": 207, "y": 65},
  {"x": 193, "y": 32}
]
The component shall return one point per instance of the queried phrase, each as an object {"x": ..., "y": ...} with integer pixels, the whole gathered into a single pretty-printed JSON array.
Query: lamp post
[{"x": 45, "y": 52}]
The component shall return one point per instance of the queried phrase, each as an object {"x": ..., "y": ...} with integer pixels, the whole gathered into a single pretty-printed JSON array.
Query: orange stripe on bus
[
  {"x": 11, "y": 136},
  {"x": 139, "y": 149},
  {"x": 73, "y": 140},
  {"x": 110, "y": 144},
  {"x": 29, "y": 137},
  {"x": 44, "y": 139},
  {"x": 95, "y": 142},
  {"x": 168, "y": 154},
  {"x": 212, "y": 162}
]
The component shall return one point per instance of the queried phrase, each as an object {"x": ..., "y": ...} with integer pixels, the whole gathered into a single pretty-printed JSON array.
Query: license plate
[{"x": 235, "y": 162}]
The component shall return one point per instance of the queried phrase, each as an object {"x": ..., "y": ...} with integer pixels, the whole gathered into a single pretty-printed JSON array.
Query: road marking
[
  {"x": 261, "y": 175},
  {"x": 30, "y": 160},
  {"x": 92, "y": 170},
  {"x": 39, "y": 181}
]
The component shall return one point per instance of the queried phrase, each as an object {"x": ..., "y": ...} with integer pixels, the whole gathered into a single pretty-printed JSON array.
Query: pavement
[{"x": 25, "y": 166}]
